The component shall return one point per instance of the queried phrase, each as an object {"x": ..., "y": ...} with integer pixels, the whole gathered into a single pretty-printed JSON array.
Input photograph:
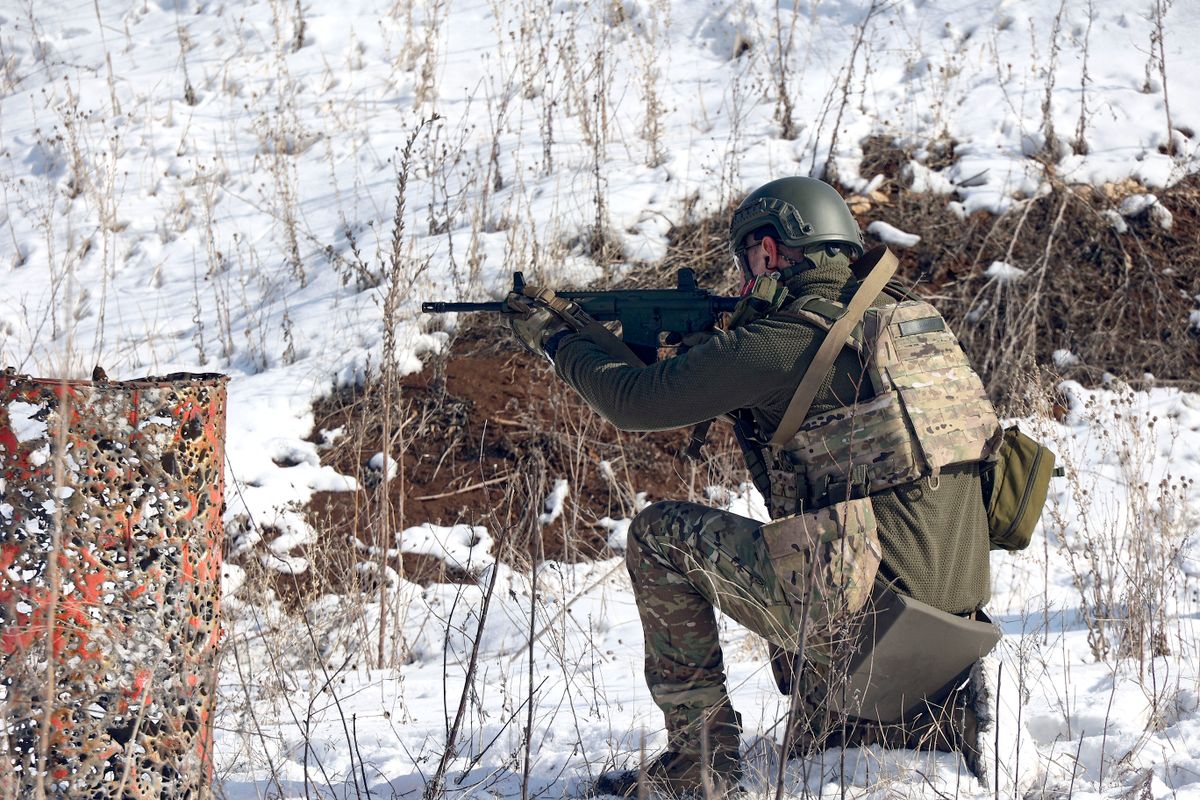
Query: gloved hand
[{"x": 532, "y": 323}]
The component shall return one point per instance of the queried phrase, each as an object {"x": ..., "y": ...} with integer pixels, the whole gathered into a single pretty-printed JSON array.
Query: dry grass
[{"x": 1118, "y": 300}]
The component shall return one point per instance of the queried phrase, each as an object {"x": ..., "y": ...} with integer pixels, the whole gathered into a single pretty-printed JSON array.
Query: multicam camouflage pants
[{"x": 685, "y": 560}]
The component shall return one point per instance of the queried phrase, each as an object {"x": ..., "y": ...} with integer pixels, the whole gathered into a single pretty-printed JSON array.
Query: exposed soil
[{"x": 488, "y": 430}]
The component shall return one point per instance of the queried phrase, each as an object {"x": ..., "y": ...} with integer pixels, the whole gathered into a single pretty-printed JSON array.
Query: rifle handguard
[
  {"x": 566, "y": 310},
  {"x": 583, "y": 323}
]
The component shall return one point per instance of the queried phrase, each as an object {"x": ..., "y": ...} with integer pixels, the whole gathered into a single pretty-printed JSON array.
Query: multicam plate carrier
[{"x": 927, "y": 410}]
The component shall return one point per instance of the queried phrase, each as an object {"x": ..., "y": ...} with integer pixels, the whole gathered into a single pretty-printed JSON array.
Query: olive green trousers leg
[{"x": 685, "y": 560}]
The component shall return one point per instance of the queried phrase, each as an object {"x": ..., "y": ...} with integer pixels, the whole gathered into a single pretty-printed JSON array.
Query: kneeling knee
[{"x": 648, "y": 523}]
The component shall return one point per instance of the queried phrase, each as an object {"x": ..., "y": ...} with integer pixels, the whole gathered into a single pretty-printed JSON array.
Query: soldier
[{"x": 920, "y": 529}]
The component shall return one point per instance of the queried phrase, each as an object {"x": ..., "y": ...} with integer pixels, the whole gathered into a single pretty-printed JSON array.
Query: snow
[
  {"x": 1064, "y": 358},
  {"x": 889, "y": 234},
  {"x": 293, "y": 532},
  {"x": 1115, "y": 220},
  {"x": 461, "y": 546},
  {"x": 284, "y": 563},
  {"x": 1097, "y": 725},
  {"x": 376, "y": 463},
  {"x": 24, "y": 425},
  {"x": 1137, "y": 204},
  {"x": 232, "y": 578},
  {"x": 554, "y": 503},
  {"x": 618, "y": 532},
  {"x": 184, "y": 188},
  {"x": 1003, "y": 272},
  {"x": 921, "y": 178}
]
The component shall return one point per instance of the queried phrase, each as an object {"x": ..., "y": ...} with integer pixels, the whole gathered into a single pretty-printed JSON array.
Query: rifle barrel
[{"x": 442, "y": 308}]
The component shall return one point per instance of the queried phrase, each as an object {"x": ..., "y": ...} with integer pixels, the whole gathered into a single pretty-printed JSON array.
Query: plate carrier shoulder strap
[{"x": 879, "y": 265}]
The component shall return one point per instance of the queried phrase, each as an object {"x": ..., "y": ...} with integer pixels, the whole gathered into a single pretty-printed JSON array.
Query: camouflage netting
[{"x": 110, "y": 560}]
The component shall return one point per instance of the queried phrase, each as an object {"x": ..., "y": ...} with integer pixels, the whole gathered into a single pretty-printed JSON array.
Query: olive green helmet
[{"x": 803, "y": 211}]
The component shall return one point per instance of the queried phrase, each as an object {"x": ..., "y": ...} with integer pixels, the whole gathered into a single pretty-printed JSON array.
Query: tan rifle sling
[{"x": 881, "y": 264}]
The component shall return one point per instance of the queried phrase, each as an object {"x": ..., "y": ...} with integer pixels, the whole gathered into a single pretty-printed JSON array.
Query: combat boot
[{"x": 697, "y": 764}]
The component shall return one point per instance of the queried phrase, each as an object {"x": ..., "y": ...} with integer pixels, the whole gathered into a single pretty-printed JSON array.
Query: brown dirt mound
[
  {"x": 488, "y": 430},
  {"x": 1115, "y": 291}
]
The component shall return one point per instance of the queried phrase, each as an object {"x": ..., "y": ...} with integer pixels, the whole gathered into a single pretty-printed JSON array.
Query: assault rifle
[{"x": 646, "y": 315}]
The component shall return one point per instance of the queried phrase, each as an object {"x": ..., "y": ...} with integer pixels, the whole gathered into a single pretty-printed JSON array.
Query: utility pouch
[
  {"x": 1015, "y": 486},
  {"x": 826, "y": 560},
  {"x": 907, "y": 653}
]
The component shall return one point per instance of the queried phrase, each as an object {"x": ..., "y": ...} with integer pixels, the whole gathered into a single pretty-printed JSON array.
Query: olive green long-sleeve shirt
[{"x": 934, "y": 541}]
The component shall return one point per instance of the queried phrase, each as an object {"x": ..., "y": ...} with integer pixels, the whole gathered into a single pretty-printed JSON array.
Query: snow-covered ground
[
  {"x": 1119, "y": 532},
  {"x": 195, "y": 185}
]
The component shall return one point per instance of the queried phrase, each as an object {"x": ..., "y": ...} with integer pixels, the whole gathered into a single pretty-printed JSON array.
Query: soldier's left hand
[{"x": 532, "y": 323}]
